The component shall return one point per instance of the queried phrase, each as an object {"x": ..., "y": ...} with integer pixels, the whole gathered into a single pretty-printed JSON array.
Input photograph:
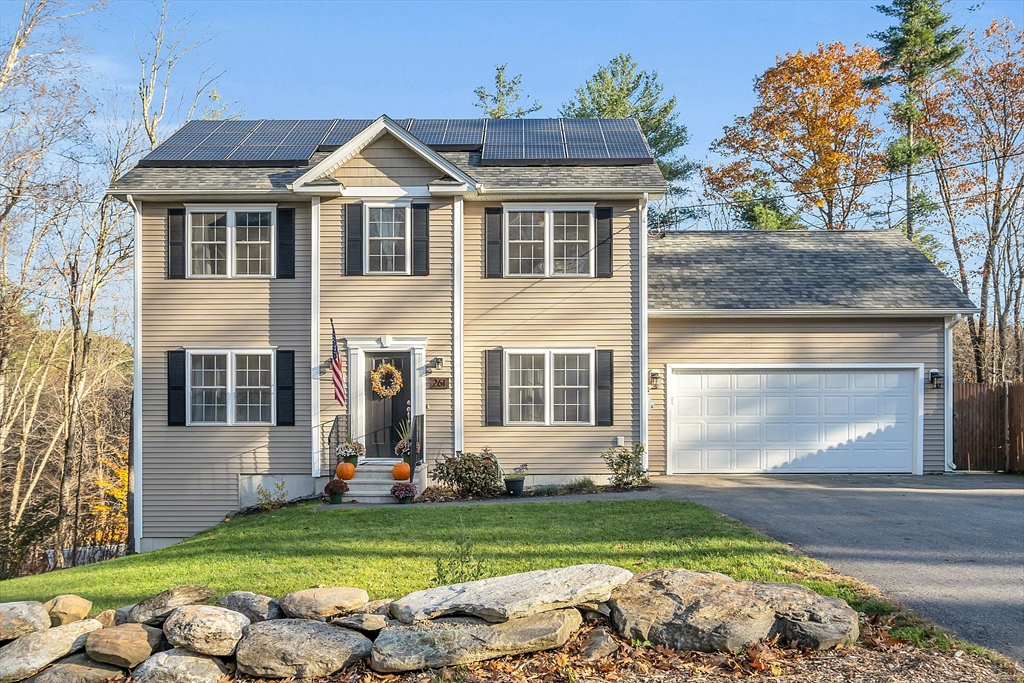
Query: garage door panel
[{"x": 792, "y": 420}]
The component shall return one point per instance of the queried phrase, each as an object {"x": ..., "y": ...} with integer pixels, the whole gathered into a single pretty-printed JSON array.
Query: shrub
[
  {"x": 265, "y": 500},
  {"x": 461, "y": 564},
  {"x": 470, "y": 474},
  {"x": 581, "y": 485},
  {"x": 403, "y": 489},
  {"x": 627, "y": 466},
  {"x": 336, "y": 487}
]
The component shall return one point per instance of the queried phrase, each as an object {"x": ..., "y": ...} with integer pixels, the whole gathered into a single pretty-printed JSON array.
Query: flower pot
[
  {"x": 514, "y": 487},
  {"x": 335, "y": 499},
  {"x": 405, "y": 501},
  {"x": 352, "y": 460}
]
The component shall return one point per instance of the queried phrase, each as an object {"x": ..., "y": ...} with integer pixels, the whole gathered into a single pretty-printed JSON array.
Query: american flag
[{"x": 339, "y": 382}]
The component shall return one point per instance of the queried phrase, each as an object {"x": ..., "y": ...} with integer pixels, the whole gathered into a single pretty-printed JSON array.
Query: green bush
[
  {"x": 470, "y": 474},
  {"x": 581, "y": 485},
  {"x": 627, "y": 466}
]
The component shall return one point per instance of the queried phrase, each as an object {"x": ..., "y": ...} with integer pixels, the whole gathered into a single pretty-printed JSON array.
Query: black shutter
[
  {"x": 603, "y": 235},
  {"x": 492, "y": 232},
  {"x": 286, "y": 244},
  {"x": 285, "y": 388},
  {"x": 354, "y": 239},
  {"x": 175, "y": 245},
  {"x": 494, "y": 391},
  {"x": 176, "y": 388},
  {"x": 605, "y": 387},
  {"x": 421, "y": 239}
]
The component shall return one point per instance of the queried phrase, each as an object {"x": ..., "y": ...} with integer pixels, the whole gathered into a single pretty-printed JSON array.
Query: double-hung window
[
  {"x": 231, "y": 241},
  {"x": 388, "y": 239},
  {"x": 230, "y": 387},
  {"x": 553, "y": 386},
  {"x": 549, "y": 241}
]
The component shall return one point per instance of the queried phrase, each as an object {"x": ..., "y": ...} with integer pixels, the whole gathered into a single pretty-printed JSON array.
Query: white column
[{"x": 314, "y": 340}]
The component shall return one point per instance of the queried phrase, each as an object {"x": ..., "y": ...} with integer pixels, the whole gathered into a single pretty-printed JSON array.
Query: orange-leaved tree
[{"x": 812, "y": 134}]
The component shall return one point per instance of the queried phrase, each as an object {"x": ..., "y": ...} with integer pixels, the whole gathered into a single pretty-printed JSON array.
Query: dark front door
[{"x": 383, "y": 414}]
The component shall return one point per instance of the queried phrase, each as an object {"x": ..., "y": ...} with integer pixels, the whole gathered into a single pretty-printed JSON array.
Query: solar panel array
[{"x": 500, "y": 141}]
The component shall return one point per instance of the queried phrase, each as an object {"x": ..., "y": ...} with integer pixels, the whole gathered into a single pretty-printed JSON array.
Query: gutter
[{"x": 808, "y": 313}]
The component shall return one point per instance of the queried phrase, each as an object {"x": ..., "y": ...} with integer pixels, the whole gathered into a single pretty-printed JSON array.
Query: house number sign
[{"x": 439, "y": 383}]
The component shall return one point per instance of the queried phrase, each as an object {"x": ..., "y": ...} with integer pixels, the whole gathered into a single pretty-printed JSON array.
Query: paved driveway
[{"x": 950, "y": 547}]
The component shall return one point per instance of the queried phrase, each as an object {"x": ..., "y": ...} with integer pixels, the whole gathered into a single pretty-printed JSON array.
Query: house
[{"x": 504, "y": 269}]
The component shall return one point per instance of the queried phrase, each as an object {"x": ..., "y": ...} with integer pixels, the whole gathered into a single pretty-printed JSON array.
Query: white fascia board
[
  {"x": 603, "y": 192},
  {"x": 368, "y": 135},
  {"x": 816, "y": 313}
]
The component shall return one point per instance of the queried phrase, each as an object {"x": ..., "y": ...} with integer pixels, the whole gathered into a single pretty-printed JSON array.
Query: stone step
[
  {"x": 371, "y": 489},
  {"x": 354, "y": 497}
]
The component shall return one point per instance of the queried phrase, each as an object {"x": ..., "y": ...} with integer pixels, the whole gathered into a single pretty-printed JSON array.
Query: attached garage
[{"x": 798, "y": 352}]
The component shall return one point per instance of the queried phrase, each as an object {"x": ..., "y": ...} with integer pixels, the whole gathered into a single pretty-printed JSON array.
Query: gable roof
[{"x": 856, "y": 272}]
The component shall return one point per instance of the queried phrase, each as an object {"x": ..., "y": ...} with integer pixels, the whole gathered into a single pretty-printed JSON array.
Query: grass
[{"x": 391, "y": 551}]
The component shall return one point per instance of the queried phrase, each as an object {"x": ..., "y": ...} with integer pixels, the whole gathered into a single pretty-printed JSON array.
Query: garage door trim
[{"x": 918, "y": 368}]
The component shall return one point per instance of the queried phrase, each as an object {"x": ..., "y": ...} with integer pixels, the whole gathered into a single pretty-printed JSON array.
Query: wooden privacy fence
[{"x": 988, "y": 426}]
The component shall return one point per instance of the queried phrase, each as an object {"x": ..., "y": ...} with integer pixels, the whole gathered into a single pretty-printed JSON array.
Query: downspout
[
  {"x": 644, "y": 397},
  {"x": 947, "y": 386},
  {"x": 136, "y": 454},
  {"x": 314, "y": 341},
  {"x": 458, "y": 323}
]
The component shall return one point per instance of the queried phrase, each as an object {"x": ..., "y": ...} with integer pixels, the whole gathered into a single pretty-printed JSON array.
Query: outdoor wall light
[
  {"x": 654, "y": 379},
  {"x": 437, "y": 362},
  {"x": 935, "y": 379}
]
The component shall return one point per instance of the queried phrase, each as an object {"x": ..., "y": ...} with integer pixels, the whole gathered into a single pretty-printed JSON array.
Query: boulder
[
  {"x": 154, "y": 610},
  {"x": 813, "y": 621},
  {"x": 256, "y": 607},
  {"x": 364, "y": 623},
  {"x": 205, "y": 629},
  {"x": 78, "y": 668},
  {"x": 180, "y": 666},
  {"x": 127, "y": 645},
  {"x": 321, "y": 603},
  {"x": 598, "y": 644},
  {"x": 294, "y": 648},
  {"x": 30, "y": 653},
  {"x": 375, "y": 607},
  {"x": 65, "y": 609},
  {"x": 121, "y": 615},
  {"x": 508, "y": 597},
  {"x": 460, "y": 640},
  {"x": 18, "y": 619},
  {"x": 108, "y": 618}
]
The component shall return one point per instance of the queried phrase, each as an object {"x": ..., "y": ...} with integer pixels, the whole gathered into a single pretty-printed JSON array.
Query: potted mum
[
  {"x": 403, "y": 491},
  {"x": 351, "y": 451},
  {"x": 334, "y": 489},
  {"x": 515, "y": 479}
]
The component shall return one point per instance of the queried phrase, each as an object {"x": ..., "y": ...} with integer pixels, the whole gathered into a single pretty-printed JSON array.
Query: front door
[{"x": 384, "y": 414}]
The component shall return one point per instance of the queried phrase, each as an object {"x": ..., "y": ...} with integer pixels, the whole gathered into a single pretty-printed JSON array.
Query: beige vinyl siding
[
  {"x": 395, "y": 305},
  {"x": 190, "y": 474},
  {"x": 893, "y": 340},
  {"x": 600, "y": 313},
  {"x": 386, "y": 162}
]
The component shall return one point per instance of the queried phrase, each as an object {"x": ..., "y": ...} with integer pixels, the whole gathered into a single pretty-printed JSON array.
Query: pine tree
[
  {"x": 921, "y": 46},
  {"x": 503, "y": 103}
]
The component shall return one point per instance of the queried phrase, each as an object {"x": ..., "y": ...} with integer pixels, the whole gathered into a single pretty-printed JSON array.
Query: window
[
  {"x": 231, "y": 387},
  {"x": 231, "y": 242},
  {"x": 555, "y": 241},
  {"x": 387, "y": 239},
  {"x": 549, "y": 387}
]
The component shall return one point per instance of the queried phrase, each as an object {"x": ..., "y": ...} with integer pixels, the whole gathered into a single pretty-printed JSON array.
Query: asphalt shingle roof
[{"x": 795, "y": 270}]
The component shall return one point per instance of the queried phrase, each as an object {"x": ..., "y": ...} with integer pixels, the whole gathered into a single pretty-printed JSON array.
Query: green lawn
[{"x": 390, "y": 551}]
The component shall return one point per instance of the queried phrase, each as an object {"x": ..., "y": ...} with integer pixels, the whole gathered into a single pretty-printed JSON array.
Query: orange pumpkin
[
  {"x": 400, "y": 471},
  {"x": 345, "y": 470}
]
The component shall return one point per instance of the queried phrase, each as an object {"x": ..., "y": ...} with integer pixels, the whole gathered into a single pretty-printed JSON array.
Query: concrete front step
[{"x": 352, "y": 497}]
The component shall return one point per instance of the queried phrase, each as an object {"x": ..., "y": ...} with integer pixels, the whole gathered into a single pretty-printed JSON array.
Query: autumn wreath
[{"x": 386, "y": 371}]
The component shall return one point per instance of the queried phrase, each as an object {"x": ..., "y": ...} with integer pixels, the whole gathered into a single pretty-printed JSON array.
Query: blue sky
[{"x": 296, "y": 59}]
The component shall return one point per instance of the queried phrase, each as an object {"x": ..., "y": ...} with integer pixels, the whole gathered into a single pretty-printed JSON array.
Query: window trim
[
  {"x": 394, "y": 204},
  {"x": 231, "y": 353},
  {"x": 549, "y": 388},
  {"x": 230, "y": 210},
  {"x": 549, "y": 252}
]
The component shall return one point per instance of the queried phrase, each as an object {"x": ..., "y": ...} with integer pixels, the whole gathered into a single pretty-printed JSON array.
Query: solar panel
[
  {"x": 544, "y": 151},
  {"x": 586, "y": 151},
  {"x": 343, "y": 131},
  {"x": 464, "y": 134},
  {"x": 252, "y": 153}
]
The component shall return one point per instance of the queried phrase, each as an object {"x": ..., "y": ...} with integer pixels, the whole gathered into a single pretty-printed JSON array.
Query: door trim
[
  {"x": 356, "y": 350},
  {"x": 918, "y": 368}
]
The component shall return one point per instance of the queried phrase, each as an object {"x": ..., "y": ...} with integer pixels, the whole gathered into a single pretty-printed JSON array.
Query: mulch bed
[{"x": 439, "y": 494}]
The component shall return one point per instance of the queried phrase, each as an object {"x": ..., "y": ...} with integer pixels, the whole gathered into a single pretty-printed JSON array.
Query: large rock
[
  {"x": 127, "y": 645},
  {"x": 321, "y": 603},
  {"x": 205, "y": 629},
  {"x": 78, "y": 668},
  {"x": 294, "y": 648},
  {"x": 18, "y": 619},
  {"x": 30, "y": 653},
  {"x": 65, "y": 609},
  {"x": 121, "y": 615},
  {"x": 598, "y": 644},
  {"x": 508, "y": 597},
  {"x": 461, "y": 640},
  {"x": 107, "y": 617},
  {"x": 256, "y": 607},
  {"x": 807, "y": 618},
  {"x": 155, "y": 609},
  {"x": 364, "y": 623},
  {"x": 710, "y": 612},
  {"x": 180, "y": 666}
]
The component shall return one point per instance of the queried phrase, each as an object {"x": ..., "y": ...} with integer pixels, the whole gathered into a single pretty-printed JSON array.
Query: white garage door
[{"x": 790, "y": 420}]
